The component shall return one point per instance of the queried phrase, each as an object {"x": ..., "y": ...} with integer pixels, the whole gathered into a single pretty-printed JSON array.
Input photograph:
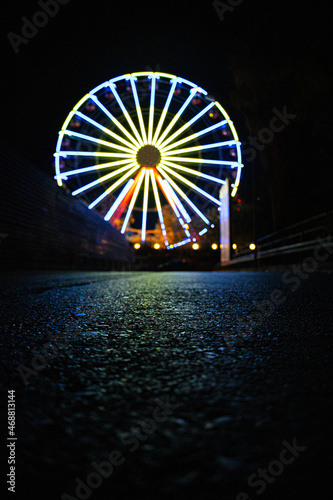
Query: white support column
[{"x": 225, "y": 223}]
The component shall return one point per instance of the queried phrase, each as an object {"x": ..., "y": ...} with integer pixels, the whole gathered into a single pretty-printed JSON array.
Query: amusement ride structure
[{"x": 147, "y": 148}]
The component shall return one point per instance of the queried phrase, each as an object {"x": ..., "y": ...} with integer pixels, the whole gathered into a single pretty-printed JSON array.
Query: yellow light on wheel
[
  {"x": 215, "y": 246},
  {"x": 157, "y": 246},
  {"x": 137, "y": 246},
  {"x": 234, "y": 246},
  {"x": 195, "y": 246},
  {"x": 252, "y": 246}
]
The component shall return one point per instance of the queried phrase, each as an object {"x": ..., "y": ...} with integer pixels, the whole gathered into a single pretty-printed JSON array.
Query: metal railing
[{"x": 299, "y": 237}]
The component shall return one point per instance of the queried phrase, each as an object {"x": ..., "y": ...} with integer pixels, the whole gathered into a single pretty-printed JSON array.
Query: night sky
[{"x": 254, "y": 57}]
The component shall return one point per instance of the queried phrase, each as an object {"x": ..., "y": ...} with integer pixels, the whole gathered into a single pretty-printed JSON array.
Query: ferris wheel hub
[{"x": 148, "y": 156}]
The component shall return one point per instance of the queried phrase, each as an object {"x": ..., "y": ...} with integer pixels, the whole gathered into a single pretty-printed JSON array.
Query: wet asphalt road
[{"x": 194, "y": 385}]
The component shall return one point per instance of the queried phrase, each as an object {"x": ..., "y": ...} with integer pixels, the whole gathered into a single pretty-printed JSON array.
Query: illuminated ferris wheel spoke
[
  {"x": 116, "y": 122},
  {"x": 126, "y": 114},
  {"x": 127, "y": 197},
  {"x": 114, "y": 186},
  {"x": 176, "y": 117},
  {"x": 106, "y": 130},
  {"x": 133, "y": 200},
  {"x": 151, "y": 109},
  {"x": 100, "y": 180},
  {"x": 158, "y": 206},
  {"x": 193, "y": 136},
  {"x": 119, "y": 199},
  {"x": 65, "y": 154},
  {"x": 225, "y": 163},
  {"x": 165, "y": 110},
  {"x": 176, "y": 208},
  {"x": 90, "y": 138},
  {"x": 201, "y": 147},
  {"x": 92, "y": 168},
  {"x": 138, "y": 109},
  {"x": 183, "y": 195},
  {"x": 191, "y": 185},
  {"x": 165, "y": 187},
  {"x": 177, "y": 201},
  {"x": 190, "y": 171},
  {"x": 145, "y": 206},
  {"x": 186, "y": 125}
]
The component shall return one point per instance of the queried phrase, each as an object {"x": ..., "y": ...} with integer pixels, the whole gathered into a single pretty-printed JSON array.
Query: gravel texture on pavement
[{"x": 193, "y": 384}]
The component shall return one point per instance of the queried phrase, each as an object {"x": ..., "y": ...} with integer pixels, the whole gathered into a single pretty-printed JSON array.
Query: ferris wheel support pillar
[{"x": 225, "y": 223}]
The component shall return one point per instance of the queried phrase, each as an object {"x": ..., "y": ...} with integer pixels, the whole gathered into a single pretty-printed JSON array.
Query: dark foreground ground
[{"x": 196, "y": 385}]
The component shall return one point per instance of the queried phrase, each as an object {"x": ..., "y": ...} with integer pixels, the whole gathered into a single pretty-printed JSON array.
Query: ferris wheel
[{"x": 149, "y": 152}]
